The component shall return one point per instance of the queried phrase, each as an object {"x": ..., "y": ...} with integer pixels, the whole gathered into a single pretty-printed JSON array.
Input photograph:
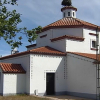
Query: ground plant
[{"x": 21, "y": 97}]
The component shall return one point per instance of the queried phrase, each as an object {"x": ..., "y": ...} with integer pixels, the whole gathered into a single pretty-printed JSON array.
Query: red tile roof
[
  {"x": 70, "y": 22},
  {"x": 68, "y": 37},
  {"x": 47, "y": 50},
  {"x": 41, "y": 50},
  {"x": 87, "y": 55},
  {"x": 12, "y": 68}
]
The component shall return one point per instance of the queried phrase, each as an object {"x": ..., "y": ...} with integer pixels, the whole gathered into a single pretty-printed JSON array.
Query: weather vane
[{"x": 66, "y": 3}]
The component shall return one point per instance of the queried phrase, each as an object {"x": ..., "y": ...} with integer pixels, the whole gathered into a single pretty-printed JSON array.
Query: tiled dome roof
[{"x": 70, "y": 22}]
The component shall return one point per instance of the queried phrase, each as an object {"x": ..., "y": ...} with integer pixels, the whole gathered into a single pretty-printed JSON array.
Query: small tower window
[
  {"x": 73, "y": 13},
  {"x": 68, "y": 13},
  {"x": 93, "y": 44},
  {"x": 64, "y": 14}
]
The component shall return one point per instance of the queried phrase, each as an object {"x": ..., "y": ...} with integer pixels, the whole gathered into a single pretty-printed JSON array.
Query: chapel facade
[{"x": 62, "y": 62}]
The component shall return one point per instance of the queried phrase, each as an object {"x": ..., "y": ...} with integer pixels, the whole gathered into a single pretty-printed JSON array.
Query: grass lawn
[{"x": 21, "y": 97}]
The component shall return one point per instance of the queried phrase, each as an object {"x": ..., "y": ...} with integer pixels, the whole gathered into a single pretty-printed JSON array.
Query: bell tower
[{"x": 68, "y": 10}]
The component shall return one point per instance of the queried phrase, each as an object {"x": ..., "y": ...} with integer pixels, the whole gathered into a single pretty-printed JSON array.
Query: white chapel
[{"x": 62, "y": 62}]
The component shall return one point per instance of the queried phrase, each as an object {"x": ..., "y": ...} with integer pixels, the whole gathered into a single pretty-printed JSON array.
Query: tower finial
[{"x": 66, "y": 3}]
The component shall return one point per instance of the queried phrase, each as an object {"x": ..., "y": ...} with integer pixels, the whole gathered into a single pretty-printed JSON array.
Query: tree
[
  {"x": 9, "y": 21},
  {"x": 66, "y": 3}
]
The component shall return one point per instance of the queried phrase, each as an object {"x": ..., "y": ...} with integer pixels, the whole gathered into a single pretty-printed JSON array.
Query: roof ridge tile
[{"x": 67, "y": 36}]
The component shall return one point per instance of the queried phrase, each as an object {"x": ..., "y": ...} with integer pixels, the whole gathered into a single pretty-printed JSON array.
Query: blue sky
[{"x": 43, "y": 12}]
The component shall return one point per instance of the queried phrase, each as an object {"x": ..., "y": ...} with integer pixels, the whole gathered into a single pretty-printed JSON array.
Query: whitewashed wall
[
  {"x": 88, "y": 38},
  {"x": 14, "y": 83},
  {"x": 67, "y": 31},
  {"x": 42, "y": 64},
  {"x": 84, "y": 46},
  {"x": 81, "y": 75},
  {"x": 25, "y": 62},
  {"x": 71, "y": 13},
  {"x": 59, "y": 45},
  {"x": 75, "y": 46},
  {"x": 70, "y": 45},
  {"x": 54, "y": 33},
  {"x": 45, "y": 41}
]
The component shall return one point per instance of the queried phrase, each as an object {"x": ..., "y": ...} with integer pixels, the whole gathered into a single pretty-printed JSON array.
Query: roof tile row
[
  {"x": 41, "y": 50},
  {"x": 70, "y": 22},
  {"x": 12, "y": 68},
  {"x": 68, "y": 37}
]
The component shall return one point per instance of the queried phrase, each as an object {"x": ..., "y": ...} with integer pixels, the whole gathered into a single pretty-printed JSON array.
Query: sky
[{"x": 43, "y": 12}]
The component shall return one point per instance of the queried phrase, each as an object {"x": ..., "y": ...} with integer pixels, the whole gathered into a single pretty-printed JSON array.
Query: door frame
[{"x": 54, "y": 81}]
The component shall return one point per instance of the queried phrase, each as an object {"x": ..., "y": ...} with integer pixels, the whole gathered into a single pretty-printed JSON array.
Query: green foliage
[
  {"x": 9, "y": 21},
  {"x": 66, "y": 3}
]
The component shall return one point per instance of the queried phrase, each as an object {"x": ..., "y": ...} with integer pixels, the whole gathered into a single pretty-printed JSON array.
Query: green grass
[{"x": 21, "y": 97}]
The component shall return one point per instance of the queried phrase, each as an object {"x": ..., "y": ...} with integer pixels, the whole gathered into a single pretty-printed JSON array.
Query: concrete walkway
[{"x": 65, "y": 98}]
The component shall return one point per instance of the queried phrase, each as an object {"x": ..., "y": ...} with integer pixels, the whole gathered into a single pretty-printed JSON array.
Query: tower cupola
[{"x": 68, "y": 10}]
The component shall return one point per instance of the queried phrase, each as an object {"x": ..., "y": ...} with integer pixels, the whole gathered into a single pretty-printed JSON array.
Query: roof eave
[
  {"x": 53, "y": 54},
  {"x": 14, "y": 72},
  {"x": 15, "y": 55},
  {"x": 30, "y": 52}
]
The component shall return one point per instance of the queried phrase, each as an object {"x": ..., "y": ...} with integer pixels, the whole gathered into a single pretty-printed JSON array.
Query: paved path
[{"x": 65, "y": 98}]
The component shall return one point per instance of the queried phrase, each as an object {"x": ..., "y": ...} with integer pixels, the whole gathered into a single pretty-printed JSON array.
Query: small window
[
  {"x": 68, "y": 13},
  {"x": 93, "y": 44},
  {"x": 73, "y": 14},
  {"x": 64, "y": 14}
]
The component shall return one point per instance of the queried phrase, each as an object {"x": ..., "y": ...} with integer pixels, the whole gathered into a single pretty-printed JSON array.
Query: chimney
[{"x": 14, "y": 51}]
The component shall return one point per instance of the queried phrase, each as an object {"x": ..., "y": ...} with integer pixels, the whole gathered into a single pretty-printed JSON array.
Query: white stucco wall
[
  {"x": 25, "y": 62},
  {"x": 67, "y": 31},
  {"x": 81, "y": 75},
  {"x": 88, "y": 39},
  {"x": 74, "y": 46},
  {"x": 71, "y": 13},
  {"x": 14, "y": 83},
  {"x": 45, "y": 41},
  {"x": 59, "y": 45},
  {"x": 84, "y": 46},
  {"x": 54, "y": 33},
  {"x": 42, "y": 64}
]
